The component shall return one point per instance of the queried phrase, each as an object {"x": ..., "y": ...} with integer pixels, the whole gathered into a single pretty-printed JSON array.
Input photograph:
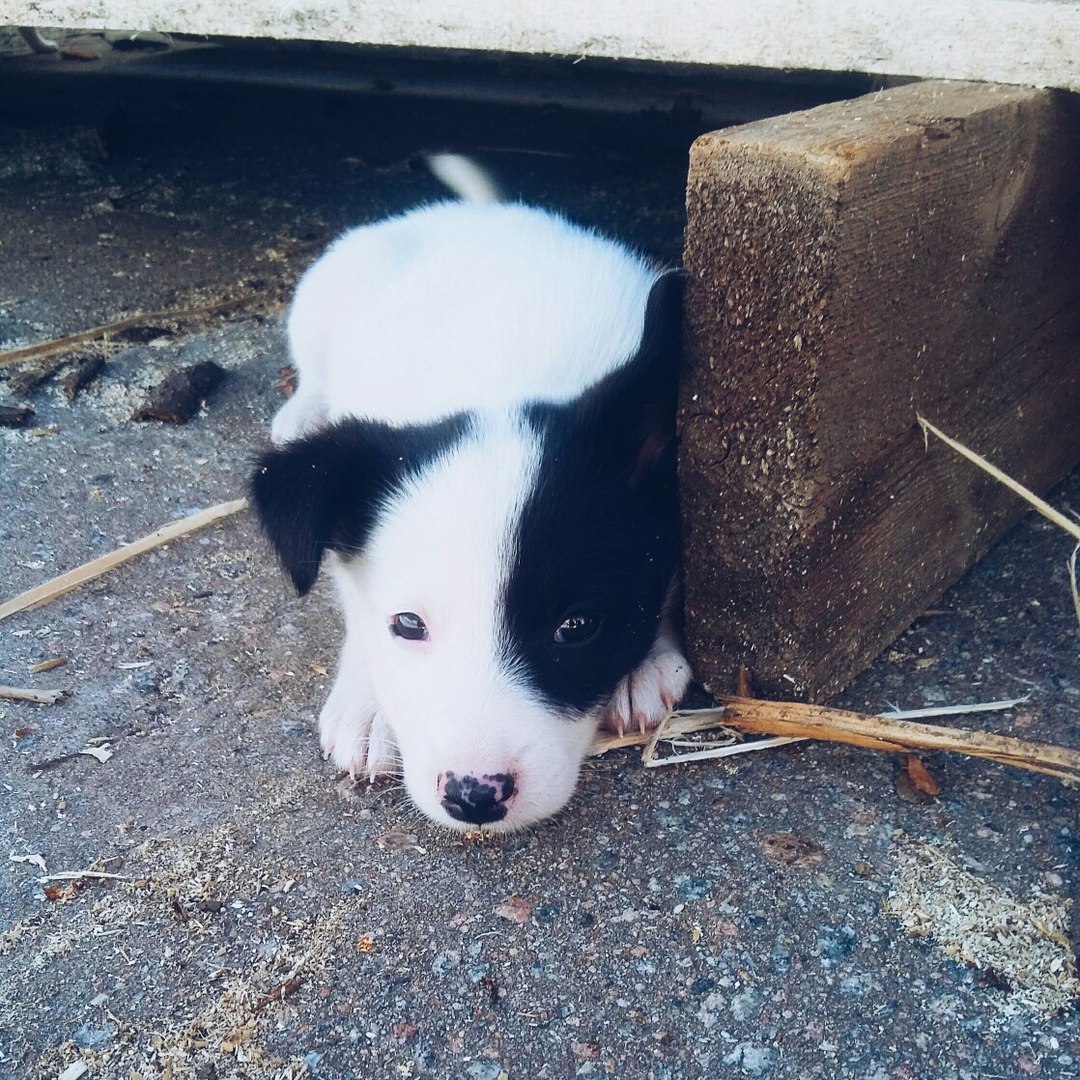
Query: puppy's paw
[
  {"x": 649, "y": 692},
  {"x": 354, "y": 735}
]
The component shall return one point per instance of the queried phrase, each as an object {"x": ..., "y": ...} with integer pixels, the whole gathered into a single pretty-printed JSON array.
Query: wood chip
[
  {"x": 243, "y": 1034},
  {"x": 78, "y": 52},
  {"x": 60, "y": 894},
  {"x": 144, "y": 335},
  {"x": 398, "y": 839},
  {"x": 179, "y": 395},
  {"x": 84, "y": 370},
  {"x": 280, "y": 992},
  {"x": 744, "y": 681},
  {"x": 16, "y": 415},
  {"x": 1024, "y": 941},
  {"x": 907, "y": 792},
  {"x": 48, "y": 665},
  {"x": 791, "y": 850},
  {"x": 286, "y": 381},
  {"x": 515, "y": 909},
  {"x": 100, "y": 752},
  {"x": 920, "y": 777},
  {"x": 26, "y": 380}
]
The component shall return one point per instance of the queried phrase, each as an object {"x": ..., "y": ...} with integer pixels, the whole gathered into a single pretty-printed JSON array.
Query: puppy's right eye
[
  {"x": 577, "y": 629},
  {"x": 408, "y": 625}
]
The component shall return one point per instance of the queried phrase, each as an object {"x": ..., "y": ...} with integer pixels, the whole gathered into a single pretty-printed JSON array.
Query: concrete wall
[{"x": 1031, "y": 42}]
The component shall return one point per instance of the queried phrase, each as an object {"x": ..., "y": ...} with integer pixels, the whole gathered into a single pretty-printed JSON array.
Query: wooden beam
[{"x": 915, "y": 251}]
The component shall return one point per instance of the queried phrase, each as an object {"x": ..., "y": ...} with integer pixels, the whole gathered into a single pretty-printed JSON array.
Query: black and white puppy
[{"x": 482, "y": 444}]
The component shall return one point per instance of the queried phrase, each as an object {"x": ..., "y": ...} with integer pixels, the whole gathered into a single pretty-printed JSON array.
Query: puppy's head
[{"x": 501, "y": 574}]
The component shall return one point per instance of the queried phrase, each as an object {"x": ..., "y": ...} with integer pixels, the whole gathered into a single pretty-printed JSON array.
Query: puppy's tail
[{"x": 464, "y": 178}]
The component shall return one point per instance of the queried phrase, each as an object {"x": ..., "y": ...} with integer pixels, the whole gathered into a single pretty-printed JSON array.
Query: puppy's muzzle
[{"x": 477, "y": 800}]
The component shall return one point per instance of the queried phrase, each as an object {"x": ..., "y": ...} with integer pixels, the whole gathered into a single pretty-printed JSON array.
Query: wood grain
[{"x": 913, "y": 251}]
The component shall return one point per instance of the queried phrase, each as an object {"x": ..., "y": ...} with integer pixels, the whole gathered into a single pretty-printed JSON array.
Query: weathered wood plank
[{"x": 914, "y": 251}]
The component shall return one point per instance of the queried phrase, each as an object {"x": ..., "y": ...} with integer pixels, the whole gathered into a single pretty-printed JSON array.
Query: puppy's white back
[{"x": 462, "y": 306}]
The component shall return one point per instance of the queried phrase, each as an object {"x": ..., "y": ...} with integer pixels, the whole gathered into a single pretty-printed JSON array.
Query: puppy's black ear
[
  {"x": 324, "y": 491},
  {"x": 298, "y": 492},
  {"x": 634, "y": 407}
]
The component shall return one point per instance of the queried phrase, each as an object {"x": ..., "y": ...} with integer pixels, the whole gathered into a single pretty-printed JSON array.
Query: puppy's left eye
[
  {"x": 408, "y": 625},
  {"x": 577, "y": 629}
]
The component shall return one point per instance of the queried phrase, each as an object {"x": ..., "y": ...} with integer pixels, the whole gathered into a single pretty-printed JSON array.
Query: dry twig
[
  {"x": 79, "y": 875},
  {"x": 38, "y": 697},
  {"x": 65, "y": 583},
  {"x": 898, "y": 736},
  {"x": 1043, "y": 507},
  {"x": 55, "y": 346},
  {"x": 684, "y": 723},
  {"x": 730, "y": 750},
  {"x": 792, "y": 721},
  {"x": 280, "y": 992},
  {"x": 1072, "y": 581}
]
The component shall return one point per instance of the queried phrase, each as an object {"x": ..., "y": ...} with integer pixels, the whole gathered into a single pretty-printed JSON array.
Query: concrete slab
[
  {"x": 945, "y": 39},
  {"x": 270, "y": 921}
]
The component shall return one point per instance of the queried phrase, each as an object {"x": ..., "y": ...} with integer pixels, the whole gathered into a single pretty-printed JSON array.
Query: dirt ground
[{"x": 233, "y": 907}]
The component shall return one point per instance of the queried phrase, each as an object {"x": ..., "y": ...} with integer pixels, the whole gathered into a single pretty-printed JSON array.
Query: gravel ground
[{"x": 265, "y": 917}]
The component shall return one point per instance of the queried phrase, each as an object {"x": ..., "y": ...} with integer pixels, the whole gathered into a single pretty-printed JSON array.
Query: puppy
[{"x": 482, "y": 446}]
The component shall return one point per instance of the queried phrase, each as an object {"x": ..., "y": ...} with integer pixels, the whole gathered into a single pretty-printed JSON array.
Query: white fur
[
  {"x": 419, "y": 317},
  {"x": 407, "y": 321},
  {"x": 451, "y": 703},
  {"x": 464, "y": 178}
]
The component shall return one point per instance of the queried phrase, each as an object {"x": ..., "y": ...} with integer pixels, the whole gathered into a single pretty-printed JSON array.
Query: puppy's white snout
[{"x": 477, "y": 800}]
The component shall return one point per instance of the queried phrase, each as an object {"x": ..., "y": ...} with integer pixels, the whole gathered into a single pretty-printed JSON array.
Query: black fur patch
[
  {"x": 324, "y": 491},
  {"x": 599, "y": 533}
]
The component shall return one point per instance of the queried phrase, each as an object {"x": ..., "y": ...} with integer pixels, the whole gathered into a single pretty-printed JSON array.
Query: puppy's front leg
[
  {"x": 653, "y": 688},
  {"x": 303, "y": 414},
  {"x": 352, "y": 731}
]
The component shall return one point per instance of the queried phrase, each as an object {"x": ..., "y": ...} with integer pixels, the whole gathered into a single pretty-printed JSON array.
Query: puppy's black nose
[{"x": 477, "y": 800}]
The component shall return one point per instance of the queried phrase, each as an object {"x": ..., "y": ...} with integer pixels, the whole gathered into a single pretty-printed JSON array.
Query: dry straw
[
  {"x": 65, "y": 583},
  {"x": 1044, "y": 508}
]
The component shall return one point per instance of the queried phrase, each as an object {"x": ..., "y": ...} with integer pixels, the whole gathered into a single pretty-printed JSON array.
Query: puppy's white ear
[{"x": 324, "y": 491}]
